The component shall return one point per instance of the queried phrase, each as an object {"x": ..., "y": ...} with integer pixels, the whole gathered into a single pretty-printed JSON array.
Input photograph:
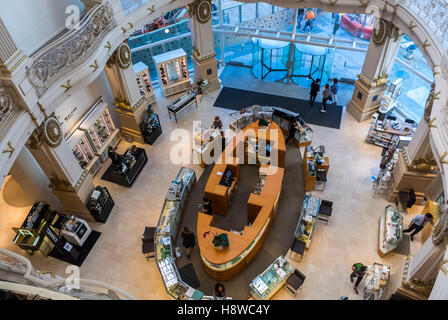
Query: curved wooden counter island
[{"x": 261, "y": 208}]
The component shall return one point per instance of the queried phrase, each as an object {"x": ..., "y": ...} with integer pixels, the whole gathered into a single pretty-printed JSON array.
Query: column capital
[{"x": 383, "y": 30}]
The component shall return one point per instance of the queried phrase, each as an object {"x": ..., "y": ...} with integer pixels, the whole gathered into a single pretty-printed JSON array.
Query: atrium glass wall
[
  {"x": 344, "y": 61},
  {"x": 311, "y": 62},
  {"x": 269, "y": 59}
]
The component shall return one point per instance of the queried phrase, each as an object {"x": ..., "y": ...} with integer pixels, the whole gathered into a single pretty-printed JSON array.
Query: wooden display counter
[
  {"x": 261, "y": 208},
  {"x": 309, "y": 174}
]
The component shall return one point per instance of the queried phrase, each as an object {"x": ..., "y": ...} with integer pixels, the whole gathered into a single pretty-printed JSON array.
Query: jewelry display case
[
  {"x": 166, "y": 232},
  {"x": 390, "y": 230},
  {"x": 173, "y": 73},
  {"x": 376, "y": 281},
  {"x": 308, "y": 218},
  {"x": 264, "y": 286}
]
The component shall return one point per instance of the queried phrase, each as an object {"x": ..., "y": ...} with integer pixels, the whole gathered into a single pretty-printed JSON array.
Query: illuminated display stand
[{"x": 173, "y": 73}]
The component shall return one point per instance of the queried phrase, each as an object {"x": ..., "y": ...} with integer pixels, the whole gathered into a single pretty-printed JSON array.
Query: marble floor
[{"x": 349, "y": 237}]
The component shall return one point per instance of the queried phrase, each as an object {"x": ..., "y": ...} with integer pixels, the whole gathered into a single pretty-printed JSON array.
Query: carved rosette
[
  {"x": 383, "y": 30},
  {"x": 123, "y": 56},
  {"x": 52, "y": 132},
  {"x": 202, "y": 9}
]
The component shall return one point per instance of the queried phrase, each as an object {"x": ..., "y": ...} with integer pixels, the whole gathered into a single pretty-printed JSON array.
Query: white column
[
  {"x": 10, "y": 55},
  {"x": 440, "y": 288},
  {"x": 423, "y": 266},
  {"x": 419, "y": 147},
  {"x": 204, "y": 56},
  {"x": 371, "y": 83}
]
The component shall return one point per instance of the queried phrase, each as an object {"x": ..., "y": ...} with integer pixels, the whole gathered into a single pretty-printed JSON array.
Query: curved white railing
[{"x": 89, "y": 289}]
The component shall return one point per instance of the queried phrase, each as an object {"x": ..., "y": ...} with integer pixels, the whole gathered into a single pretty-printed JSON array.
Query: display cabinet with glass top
[
  {"x": 308, "y": 218},
  {"x": 265, "y": 285},
  {"x": 390, "y": 230},
  {"x": 376, "y": 281}
]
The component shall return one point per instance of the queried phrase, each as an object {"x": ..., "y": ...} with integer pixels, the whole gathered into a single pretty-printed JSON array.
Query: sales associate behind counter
[{"x": 222, "y": 264}]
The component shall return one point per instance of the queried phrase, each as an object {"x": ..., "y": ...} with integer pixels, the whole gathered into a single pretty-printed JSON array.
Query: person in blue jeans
[{"x": 334, "y": 90}]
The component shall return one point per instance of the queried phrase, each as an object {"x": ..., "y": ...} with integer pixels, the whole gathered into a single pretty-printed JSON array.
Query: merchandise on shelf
[
  {"x": 391, "y": 230},
  {"x": 271, "y": 280},
  {"x": 166, "y": 231},
  {"x": 172, "y": 67},
  {"x": 376, "y": 281},
  {"x": 387, "y": 132},
  {"x": 143, "y": 78},
  {"x": 151, "y": 128},
  {"x": 308, "y": 218}
]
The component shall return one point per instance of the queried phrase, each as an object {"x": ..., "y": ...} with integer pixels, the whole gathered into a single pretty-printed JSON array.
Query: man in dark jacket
[{"x": 315, "y": 87}]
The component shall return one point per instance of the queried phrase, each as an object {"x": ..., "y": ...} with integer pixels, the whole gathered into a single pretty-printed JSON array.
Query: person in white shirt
[{"x": 418, "y": 222}]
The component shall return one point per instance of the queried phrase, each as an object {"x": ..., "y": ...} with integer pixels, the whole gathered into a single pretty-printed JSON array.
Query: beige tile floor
[{"x": 349, "y": 237}]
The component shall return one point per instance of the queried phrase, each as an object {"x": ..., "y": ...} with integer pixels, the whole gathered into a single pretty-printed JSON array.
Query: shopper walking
[
  {"x": 293, "y": 127},
  {"x": 217, "y": 124},
  {"x": 326, "y": 95},
  {"x": 309, "y": 20},
  {"x": 359, "y": 270},
  {"x": 188, "y": 240},
  {"x": 300, "y": 15},
  {"x": 336, "y": 17},
  {"x": 315, "y": 88},
  {"x": 418, "y": 222},
  {"x": 220, "y": 292},
  {"x": 334, "y": 90}
]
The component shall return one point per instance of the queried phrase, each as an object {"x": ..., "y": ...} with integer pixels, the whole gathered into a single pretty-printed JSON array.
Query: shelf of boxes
[
  {"x": 173, "y": 73},
  {"x": 144, "y": 82}
]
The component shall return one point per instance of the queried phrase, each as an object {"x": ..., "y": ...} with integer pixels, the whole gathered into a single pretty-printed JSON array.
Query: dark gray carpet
[
  {"x": 188, "y": 275},
  {"x": 404, "y": 247},
  {"x": 278, "y": 240},
  {"x": 236, "y": 217},
  {"x": 235, "y": 99}
]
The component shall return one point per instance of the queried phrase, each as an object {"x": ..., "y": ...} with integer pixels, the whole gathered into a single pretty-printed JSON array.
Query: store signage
[
  {"x": 70, "y": 115},
  {"x": 51, "y": 235}
]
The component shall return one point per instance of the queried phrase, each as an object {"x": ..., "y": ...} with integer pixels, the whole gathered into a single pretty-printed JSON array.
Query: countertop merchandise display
[
  {"x": 381, "y": 133},
  {"x": 76, "y": 231},
  {"x": 264, "y": 286},
  {"x": 100, "y": 204},
  {"x": 172, "y": 68},
  {"x": 280, "y": 116},
  {"x": 206, "y": 141},
  {"x": 308, "y": 219},
  {"x": 84, "y": 152},
  {"x": 132, "y": 166},
  {"x": 182, "y": 103},
  {"x": 45, "y": 230},
  {"x": 144, "y": 82},
  {"x": 151, "y": 128},
  {"x": 166, "y": 233},
  {"x": 390, "y": 230},
  {"x": 376, "y": 281},
  {"x": 312, "y": 162}
]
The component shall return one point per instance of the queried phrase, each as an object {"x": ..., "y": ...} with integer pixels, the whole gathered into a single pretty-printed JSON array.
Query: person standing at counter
[
  {"x": 114, "y": 156},
  {"x": 220, "y": 292},
  {"x": 189, "y": 241},
  {"x": 217, "y": 124},
  {"x": 418, "y": 222},
  {"x": 223, "y": 141},
  {"x": 293, "y": 127},
  {"x": 206, "y": 206},
  {"x": 359, "y": 270}
]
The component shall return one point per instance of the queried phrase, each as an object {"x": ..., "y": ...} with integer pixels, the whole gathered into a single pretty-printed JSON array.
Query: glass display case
[
  {"x": 308, "y": 218},
  {"x": 376, "y": 281},
  {"x": 390, "y": 230},
  {"x": 151, "y": 128},
  {"x": 246, "y": 116},
  {"x": 172, "y": 68},
  {"x": 271, "y": 280},
  {"x": 166, "y": 230}
]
